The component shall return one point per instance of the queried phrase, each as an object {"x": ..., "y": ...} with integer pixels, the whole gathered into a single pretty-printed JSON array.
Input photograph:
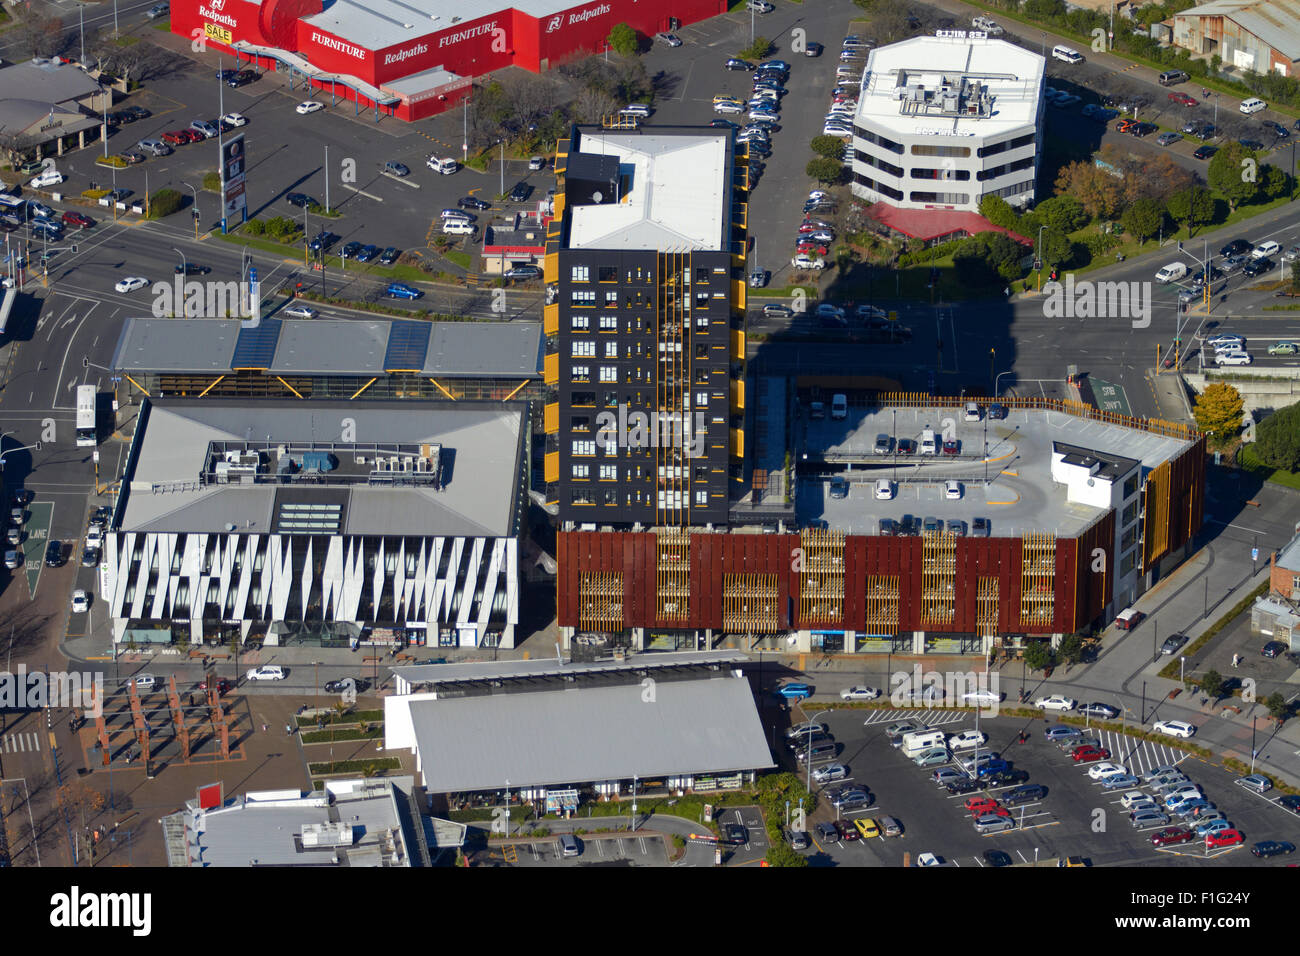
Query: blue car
[
  {"x": 367, "y": 253},
  {"x": 792, "y": 691},
  {"x": 993, "y": 766},
  {"x": 1120, "y": 781},
  {"x": 400, "y": 290}
]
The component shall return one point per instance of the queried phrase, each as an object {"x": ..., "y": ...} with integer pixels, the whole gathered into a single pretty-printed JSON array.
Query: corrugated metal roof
[
  {"x": 578, "y": 735},
  {"x": 543, "y": 667},
  {"x": 485, "y": 348},
  {"x": 1275, "y": 22}
]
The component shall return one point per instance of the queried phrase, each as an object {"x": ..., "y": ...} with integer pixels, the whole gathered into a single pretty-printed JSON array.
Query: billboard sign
[{"x": 234, "y": 201}]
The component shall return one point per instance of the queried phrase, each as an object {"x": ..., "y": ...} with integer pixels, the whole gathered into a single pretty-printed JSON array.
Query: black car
[
  {"x": 351, "y": 249},
  {"x": 1272, "y": 649},
  {"x": 389, "y": 256},
  {"x": 338, "y": 686},
  {"x": 523, "y": 272},
  {"x": 53, "y": 554},
  {"x": 191, "y": 269},
  {"x": 1105, "y": 711},
  {"x": 242, "y": 78},
  {"x": 1251, "y": 143},
  {"x": 1254, "y": 267},
  {"x": 1024, "y": 794},
  {"x": 520, "y": 192},
  {"x": 137, "y": 112},
  {"x": 301, "y": 200},
  {"x": 1277, "y": 129},
  {"x": 1205, "y": 152},
  {"x": 1236, "y": 247},
  {"x": 723, "y": 124},
  {"x": 1290, "y": 802},
  {"x": 472, "y": 202},
  {"x": 737, "y": 835},
  {"x": 224, "y": 75},
  {"x": 737, "y": 64},
  {"x": 1268, "y": 848},
  {"x": 959, "y": 787},
  {"x": 1002, "y": 778},
  {"x": 1143, "y": 129},
  {"x": 997, "y": 858},
  {"x": 1172, "y": 643},
  {"x": 323, "y": 240}
]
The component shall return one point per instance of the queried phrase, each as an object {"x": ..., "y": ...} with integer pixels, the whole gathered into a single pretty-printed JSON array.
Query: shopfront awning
[{"x": 304, "y": 66}]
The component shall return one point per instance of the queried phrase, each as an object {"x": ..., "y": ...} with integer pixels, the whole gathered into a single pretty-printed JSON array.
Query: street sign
[{"x": 1254, "y": 554}]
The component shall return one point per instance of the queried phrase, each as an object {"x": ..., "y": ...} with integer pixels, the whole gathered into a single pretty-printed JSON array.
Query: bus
[
  {"x": 87, "y": 426},
  {"x": 7, "y": 296}
]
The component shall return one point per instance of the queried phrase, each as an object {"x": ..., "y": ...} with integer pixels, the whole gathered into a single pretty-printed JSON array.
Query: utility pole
[{"x": 327, "y": 178}]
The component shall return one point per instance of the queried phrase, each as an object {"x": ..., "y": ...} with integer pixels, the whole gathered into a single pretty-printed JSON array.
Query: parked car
[
  {"x": 1256, "y": 783},
  {"x": 1057, "y": 702},
  {"x": 1172, "y": 836},
  {"x": 308, "y": 106},
  {"x": 1268, "y": 848},
  {"x": 266, "y": 672},
  {"x": 1089, "y": 753},
  {"x": 830, "y": 772},
  {"x": 859, "y": 692},
  {"x": 1174, "y": 728},
  {"x": 1172, "y": 643},
  {"x": 520, "y": 192}
]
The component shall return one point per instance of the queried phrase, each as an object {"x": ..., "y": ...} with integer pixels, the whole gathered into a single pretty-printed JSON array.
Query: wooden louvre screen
[
  {"x": 749, "y": 603},
  {"x": 600, "y": 596},
  {"x": 1037, "y": 578}
]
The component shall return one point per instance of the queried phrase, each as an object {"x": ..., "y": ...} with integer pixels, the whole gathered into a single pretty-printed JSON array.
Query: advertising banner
[{"x": 235, "y": 202}]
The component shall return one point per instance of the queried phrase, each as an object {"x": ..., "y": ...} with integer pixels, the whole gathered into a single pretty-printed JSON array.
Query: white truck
[{"x": 917, "y": 741}]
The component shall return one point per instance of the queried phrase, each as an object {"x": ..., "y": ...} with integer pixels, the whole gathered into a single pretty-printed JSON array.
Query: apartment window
[
  {"x": 580, "y": 423},
  {"x": 584, "y": 348},
  {"x": 606, "y": 274},
  {"x": 584, "y": 398},
  {"x": 921, "y": 172},
  {"x": 584, "y": 448},
  {"x": 609, "y": 323},
  {"x": 609, "y": 472},
  {"x": 611, "y": 447},
  {"x": 581, "y": 472},
  {"x": 1126, "y": 563},
  {"x": 581, "y": 323},
  {"x": 1130, "y": 514},
  {"x": 701, "y": 376},
  {"x": 960, "y": 152},
  {"x": 701, "y": 399},
  {"x": 611, "y": 398},
  {"x": 609, "y": 496},
  {"x": 581, "y": 297},
  {"x": 611, "y": 299},
  {"x": 702, "y": 300},
  {"x": 1126, "y": 541},
  {"x": 947, "y": 199},
  {"x": 702, "y": 321},
  {"x": 582, "y": 496},
  {"x": 701, "y": 274},
  {"x": 581, "y": 373},
  {"x": 701, "y": 472},
  {"x": 611, "y": 350},
  {"x": 608, "y": 373},
  {"x": 701, "y": 498},
  {"x": 701, "y": 351},
  {"x": 1130, "y": 486},
  {"x": 581, "y": 274}
]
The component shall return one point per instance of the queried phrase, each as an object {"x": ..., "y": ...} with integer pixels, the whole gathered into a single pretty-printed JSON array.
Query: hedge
[
  {"x": 354, "y": 766},
  {"x": 338, "y": 736},
  {"x": 350, "y": 717}
]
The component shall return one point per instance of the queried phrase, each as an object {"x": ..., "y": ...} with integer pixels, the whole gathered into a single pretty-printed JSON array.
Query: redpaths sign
[{"x": 582, "y": 16}]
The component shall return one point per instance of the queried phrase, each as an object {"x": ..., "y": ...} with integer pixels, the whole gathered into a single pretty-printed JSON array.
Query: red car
[
  {"x": 77, "y": 219},
  {"x": 994, "y": 811},
  {"x": 847, "y": 830},
  {"x": 811, "y": 249},
  {"x": 1171, "y": 835},
  {"x": 1224, "y": 838},
  {"x": 806, "y": 227},
  {"x": 222, "y": 685},
  {"x": 176, "y": 137},
  {"x": 951, "y": 446},
  {"x": 1183, "y": 98},
  {"x": 975, "y": 803},
  {"x": 1088, "y": 753}
]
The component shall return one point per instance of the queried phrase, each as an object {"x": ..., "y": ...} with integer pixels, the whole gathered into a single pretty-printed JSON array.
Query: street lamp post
[
  {"x": 184, "y": 272},
  {"x": 195, "y": 193}
]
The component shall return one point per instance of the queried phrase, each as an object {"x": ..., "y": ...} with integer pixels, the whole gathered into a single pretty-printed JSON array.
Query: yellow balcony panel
[
  {"x": 739, "y": 294},
  {"x": 737, "y": 443},
  {"x": 551, "y": 319},
  {"x": 551, "y": 369},
  {"x": 551, "y": 267},
  {"x": 737, "y": 345},
  {"x": 551, "y": 418},
  {"x": 737, "y": 394},
  {"x": 551, "y": 466}
]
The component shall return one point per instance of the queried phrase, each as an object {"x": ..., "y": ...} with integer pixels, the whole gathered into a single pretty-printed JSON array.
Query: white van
[
  {"x": 972, "y": 412},
  {"x": 1175, "y": 270},
  {"x": 1265, "y": 249},
  {"x": 1066, "y": 54},
  {"x": 1252, "y": 105},
  {"x": 839, "y": 407},
  {"x": 445, "y": 166},
  {"x": 917, "y": 741},
  {"x": 635, "y": 110},
  {"x": 457, "y": 227},
  {"x": 929, "y": 444}
]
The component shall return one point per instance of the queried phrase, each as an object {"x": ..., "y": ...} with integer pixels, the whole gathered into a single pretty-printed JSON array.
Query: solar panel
[
  {"x": 407, "y": 344},
  {"x": 255, "y": 347}
]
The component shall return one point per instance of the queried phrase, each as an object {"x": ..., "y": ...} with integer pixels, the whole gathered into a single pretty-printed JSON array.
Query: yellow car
[
  {"x": 1072, "y": 861},
  {"x": 725, "y": 98},
  {"x": 867, "y": 827}
]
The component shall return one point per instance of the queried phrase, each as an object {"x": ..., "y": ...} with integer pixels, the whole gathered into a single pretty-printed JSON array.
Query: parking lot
[{"x": 1077, "y": 817}]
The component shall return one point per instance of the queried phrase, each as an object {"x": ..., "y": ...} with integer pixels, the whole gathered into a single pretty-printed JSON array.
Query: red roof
[{"x": 932, "y": 223}]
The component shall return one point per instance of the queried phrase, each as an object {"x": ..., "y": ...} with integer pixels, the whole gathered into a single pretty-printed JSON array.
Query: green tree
[
  {"x": 780, "y": 854},
  {"x": 1004, "y": 255},
  {"x": 1275, "y": 182},
  {"x": 998, "y": 211},
  {"x": 1193, "y": 206},
  {"x": 164, "y": 202},
  {"x": 1231, "y": 176},
  {"x": 1277, "y": 439},
  {"x": 623, "y": 40},
  {"x": 832, "y": 147},
  {"x": 1063, "y": 213},
  {"x": 1212, "y": 683},
  {"x": 1071, "y": 648},
  {"x": 1218, "y": 412},
  {"x": 1143, "y": 218},
  {"x": 1039, "y": 655},
  {"x": 1295, "y": 276},
  {"x": 825, "y": 170},
  {"x": 1056, "y": 248},
  {"x": 1277, "y": 706},
  {"x": 212, "y": 181},
  {"x": 760, "y": 49}
]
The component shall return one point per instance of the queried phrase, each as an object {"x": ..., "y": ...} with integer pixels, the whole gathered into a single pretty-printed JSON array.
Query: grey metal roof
[
  {"x": 17, "y": 116},
  {"x": 47, "y": 83},
  {"x": 1289, "y": 556},
  {"x": 1275, "y": 22},
  {"x": 480, "y": 444},
  {"x": 330, "y": 347},
  {"x": 579, "y": 735},
  {"x": 549, "y": 666},
  {"x": 483, "y": 348}
]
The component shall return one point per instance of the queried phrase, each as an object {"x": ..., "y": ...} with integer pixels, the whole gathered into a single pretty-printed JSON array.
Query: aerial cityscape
[{"x": 503, "y": 434}]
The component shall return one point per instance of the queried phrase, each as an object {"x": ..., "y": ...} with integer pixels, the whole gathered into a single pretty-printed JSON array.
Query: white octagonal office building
[{"x": 945, "y": 120}]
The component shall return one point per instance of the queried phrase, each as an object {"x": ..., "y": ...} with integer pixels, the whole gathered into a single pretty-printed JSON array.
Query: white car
[
  {"x": 817, "y": 195},
  {"x": 1232, "y": 358},
  {"x": 859, "y": 693},
  {"x": 952, "y": 490},
  {"x": 308, "y": 106},
  {"x": 808, "y": 262},
  {"x": 884, "y": 489},
  {"x": 130, "y": 284},
  {"x": 235, "y": 119},
  {"x": 50, "y": 177},
  {"x": 1056, "y": 702},
  {"x": 94, "y": 537},
  {"x": 144, "y": 681},
  {"x": 927, "y": 859},
  {"x": 266, "y": 672},
  {"x": 832, "y": 771},
  {"x": 299, "y": 312},
  {"x": 1174, "y": 728},
  {"x": 80, "y": 601},
  {"x": 446, "y": 166},
  {"x": 967, "y": 739},
  {"x": 1100, "y": 771},
  {"x": 1132, "y": 798}
]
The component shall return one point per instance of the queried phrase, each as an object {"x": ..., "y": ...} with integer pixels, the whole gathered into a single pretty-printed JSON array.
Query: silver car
[
  {"x": 991, "y": 823},
  {"x": 1149, "y": 818},
  {"x": 832, "y": 771}
]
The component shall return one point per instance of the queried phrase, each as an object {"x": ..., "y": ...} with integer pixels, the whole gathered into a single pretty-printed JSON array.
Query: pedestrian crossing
[
  {"x": 22, "y": 743},
  {"x": 931, "y": 718},
  {"x": 1139, "y": 756}
]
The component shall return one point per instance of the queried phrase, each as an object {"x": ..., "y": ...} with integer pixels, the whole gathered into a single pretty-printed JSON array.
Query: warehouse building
[
  {"x": 943, "y": 121},
  {"x": 287, "y": 523},
  {"x": 1262, "y": 36},
  {"x": 557, "y": 733},
  {"x": 416, "y": 58}
]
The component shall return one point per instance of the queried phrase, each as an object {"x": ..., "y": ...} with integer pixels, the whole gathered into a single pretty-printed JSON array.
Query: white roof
[
  {"x": 1012, "y": 75},
  {"x": 376, "y": 24},
  {"x": 676, "y": 188}
]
